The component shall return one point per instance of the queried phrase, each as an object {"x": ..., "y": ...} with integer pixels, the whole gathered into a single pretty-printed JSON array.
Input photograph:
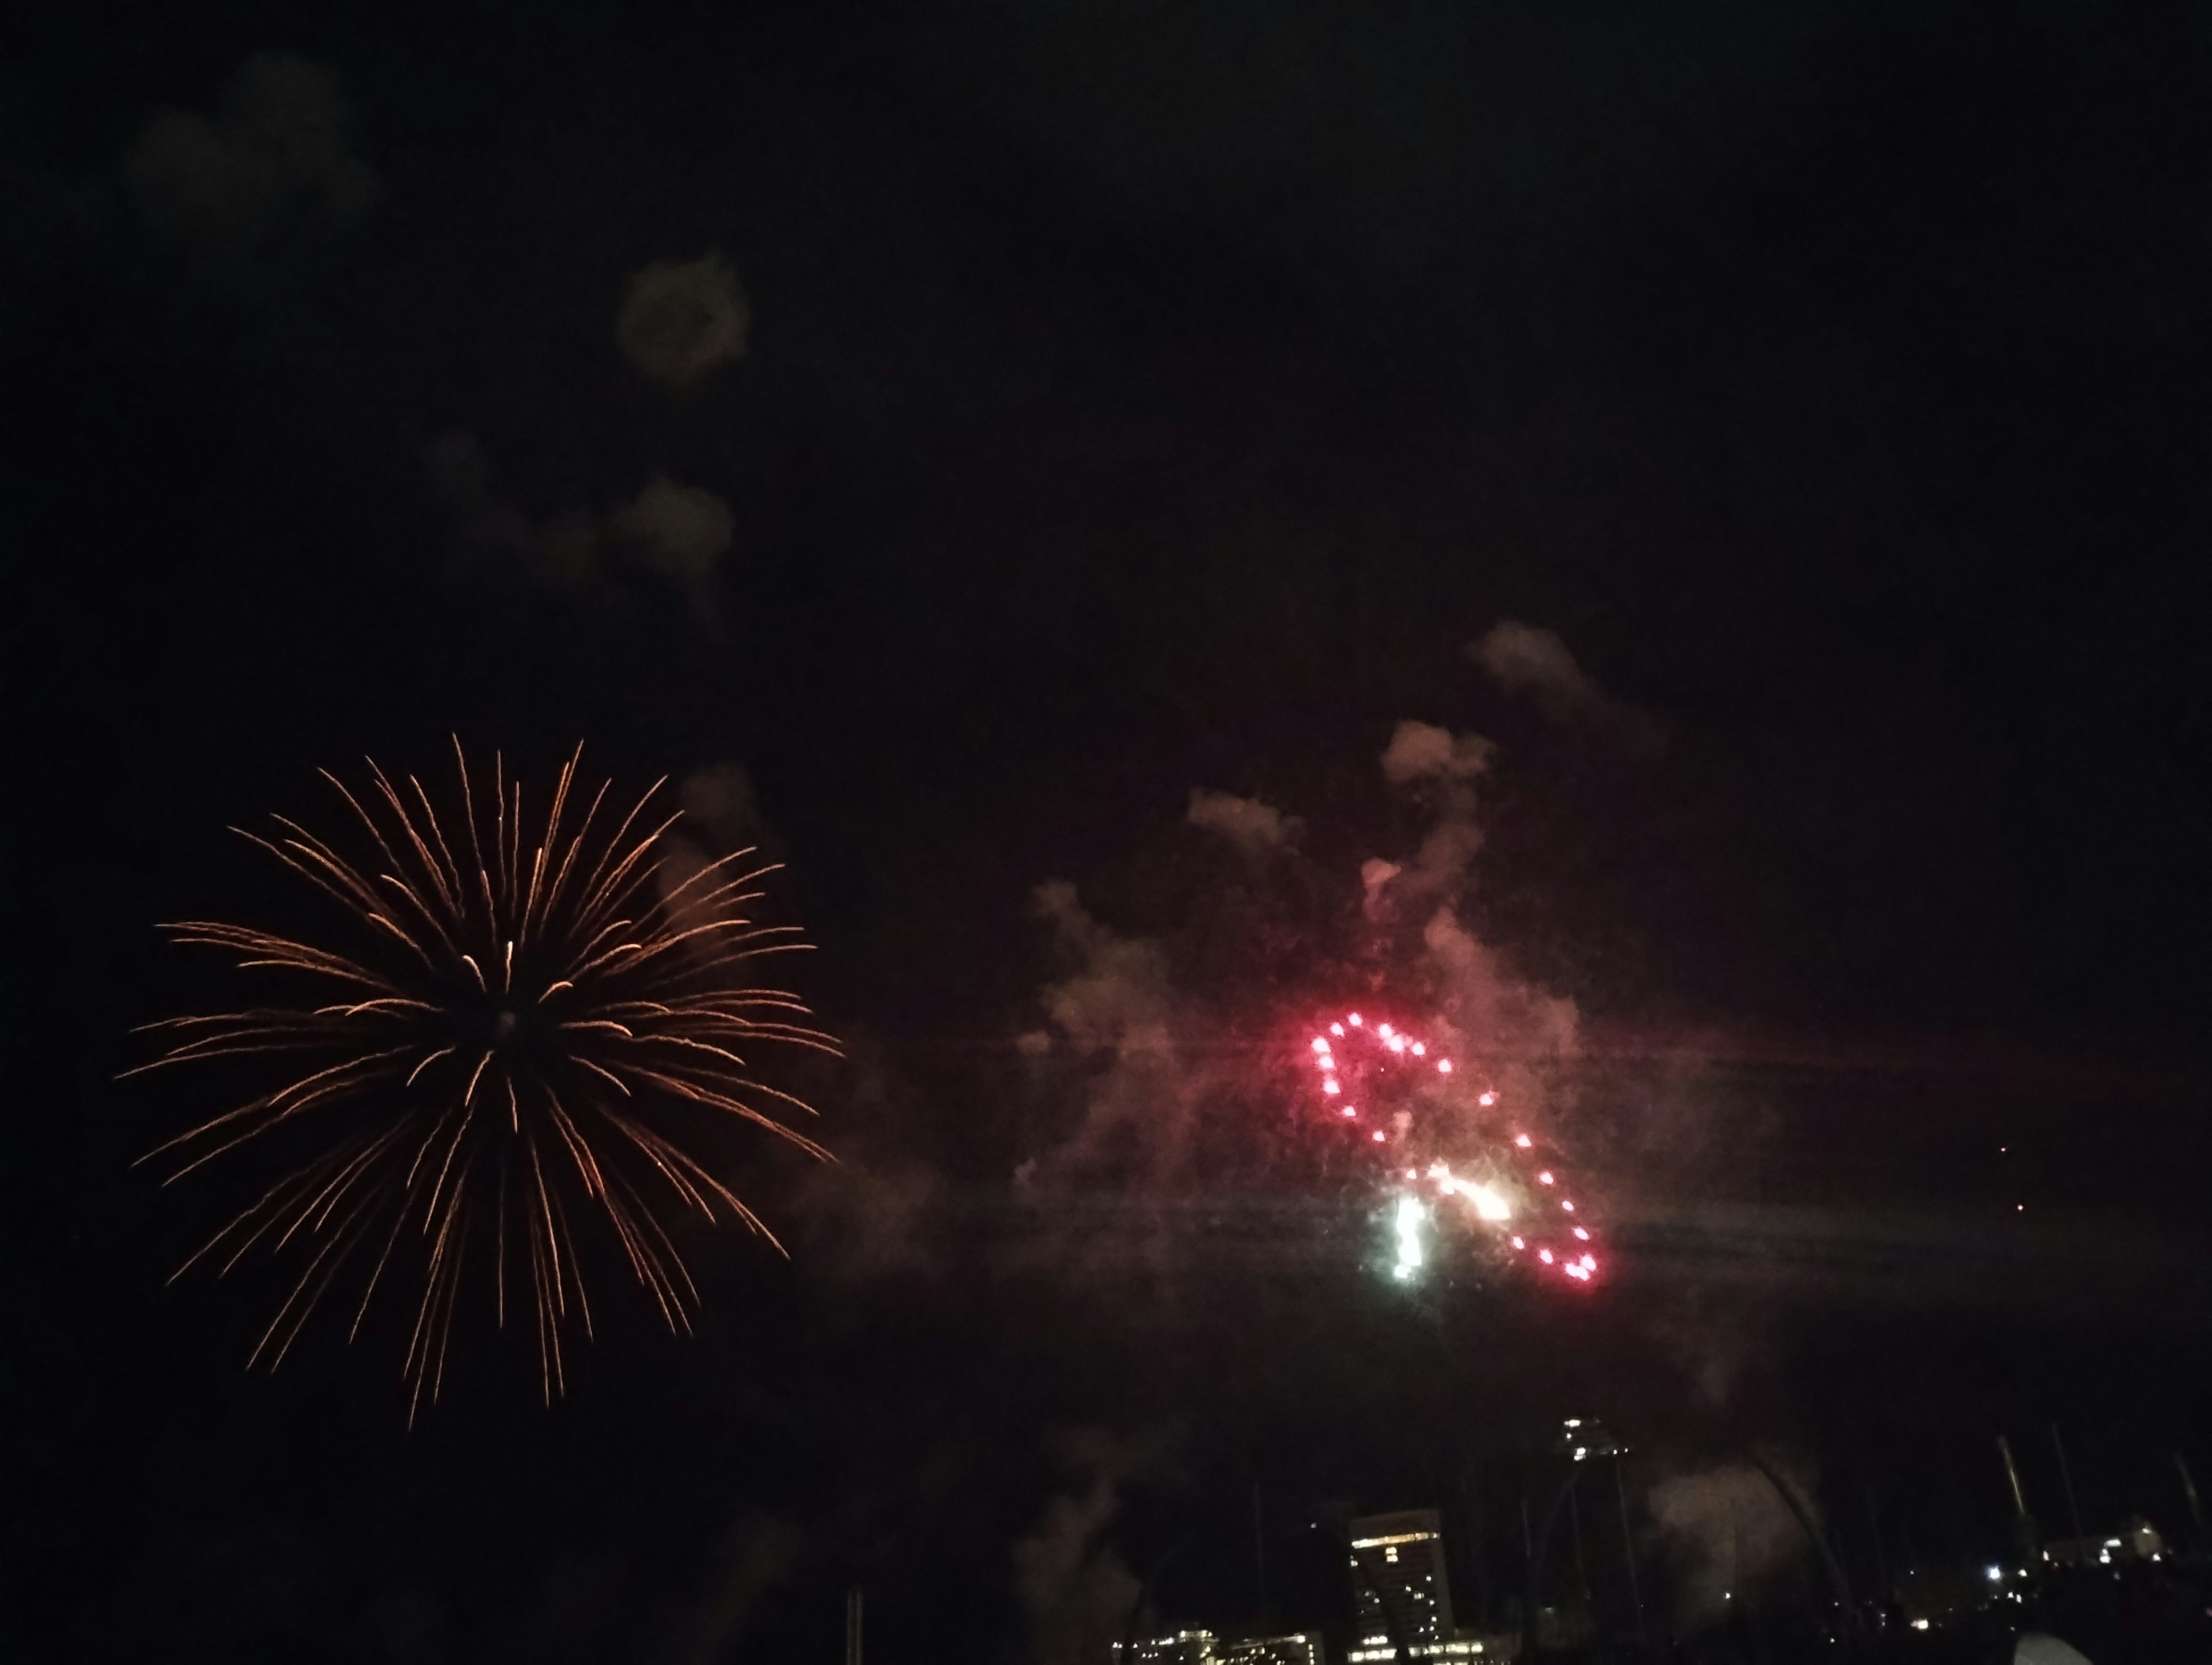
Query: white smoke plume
[
  {"x": 679, "y": 530},
  {"x": 1436, "y": 764},
  {"x": 868, "y": 1215},
  {"x": 721, "y": 798},
  {"x": 1534, "y": 664},
  {"x": 1076, "y": 1592},
  {"x": 1524, "y": 660},
  {"x": 681, "y": 318},
  {"x": 1486, "y": 1005},
  {"x": 1423, "y": 751},
  {"x": 1115, "y": 1012},
  {"x": 1253, "y": 827},
  {"x": 1146, "y": 1052},
  {"x": 269, "y": 175},
  {"x": 1482, "y": 997},
  {"x": 753, "y": 1557},
  {"x": 1730, "y": 1532}
]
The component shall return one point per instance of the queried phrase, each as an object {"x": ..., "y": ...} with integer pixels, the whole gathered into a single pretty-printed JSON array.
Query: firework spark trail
[
  {"x": 527, "y": 1010},
  {"x": 1379, "y": 1084}
]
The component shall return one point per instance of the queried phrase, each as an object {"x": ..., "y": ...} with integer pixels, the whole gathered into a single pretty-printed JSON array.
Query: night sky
[{"x": 1781, "y": 432}]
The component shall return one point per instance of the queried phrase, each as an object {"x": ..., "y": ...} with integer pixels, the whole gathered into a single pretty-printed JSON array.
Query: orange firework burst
[{"x": 528, "y": 1029}]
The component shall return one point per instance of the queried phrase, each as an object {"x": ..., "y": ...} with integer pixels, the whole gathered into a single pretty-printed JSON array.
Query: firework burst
[
  {"x": 531, "y": 1026},
  {"x": 1430, "y": 1127}
]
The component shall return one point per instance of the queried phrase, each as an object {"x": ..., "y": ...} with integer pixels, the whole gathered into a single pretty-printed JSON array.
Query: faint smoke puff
[
  {"x": 240, "y": 193},
  {"x": 681, "y": 318},
  {"x": 1524, "y": 660},
  {"x": 1422, "y": 752},
  {"x": 1374, "y": 874},
  {"x": 1729, "y": 1530},
  {"x": 1535, "y": 665},
  {"x": 721, "y": 798},
  {"x": 682, "y": 531},
  {"x": 1247, "y": 823}
]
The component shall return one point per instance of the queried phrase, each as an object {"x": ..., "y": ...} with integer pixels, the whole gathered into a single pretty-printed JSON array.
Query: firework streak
[
  {"x": 530, "y": 1025},
  {"x": 1386, "y": 1088}
]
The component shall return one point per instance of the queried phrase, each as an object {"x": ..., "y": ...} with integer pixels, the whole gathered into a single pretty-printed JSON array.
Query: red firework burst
[{"x": 1435, "y": 1126}]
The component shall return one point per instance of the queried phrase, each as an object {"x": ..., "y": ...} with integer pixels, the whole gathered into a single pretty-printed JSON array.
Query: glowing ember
[
  {"x": 1444, "y": 1066},
  {"x": 1544, "y": 1178}
]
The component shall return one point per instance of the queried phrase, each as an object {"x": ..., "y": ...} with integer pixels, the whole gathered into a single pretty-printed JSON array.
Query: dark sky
[{"x": 1135, "y": 399}]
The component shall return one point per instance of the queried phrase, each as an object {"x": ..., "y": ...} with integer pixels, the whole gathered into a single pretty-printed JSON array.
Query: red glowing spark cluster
[{"x": 1437, "y": 1129}]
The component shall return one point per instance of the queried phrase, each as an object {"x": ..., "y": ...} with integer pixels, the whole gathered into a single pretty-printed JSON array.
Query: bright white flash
[
  {"x": 1412, "y": 1216},
  {"x": 1489, "y": 1205}
]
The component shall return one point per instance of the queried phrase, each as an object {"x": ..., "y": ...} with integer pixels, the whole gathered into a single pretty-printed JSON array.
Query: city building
[
  {"x": 1183, "y": 1647},
  {"x": 1400, "y": 1591},
  {"x": 1303, "y": 1648},
  {"x": 1204, "y": 1648}
]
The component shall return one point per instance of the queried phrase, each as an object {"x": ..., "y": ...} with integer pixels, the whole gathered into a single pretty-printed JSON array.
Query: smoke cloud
[
  {"x": 679, "y": 530},
  {"x": 243, "y": 193},
  {"x": 721, "y": 800},
  {"x": 1253, "y": 827},
  {"x": 1729, "y": 1531},
  {"x": 1486, "y": 1007},
  {"x": 1535, "y": 665},
  {"x": 756, "y": 1553},
  {"x": 1116, "y": 1014},
  {"x": 681, "y": 318},
  {"x": 1482, "y": 998},
  {"x": 1524, "y": 660},
  {"x": 1422, "y": 752},
  {"x": 1076, "y": 1592},
  {"x": 1435, "y": 764},
  {"x": 1144, "y": 1034}
]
